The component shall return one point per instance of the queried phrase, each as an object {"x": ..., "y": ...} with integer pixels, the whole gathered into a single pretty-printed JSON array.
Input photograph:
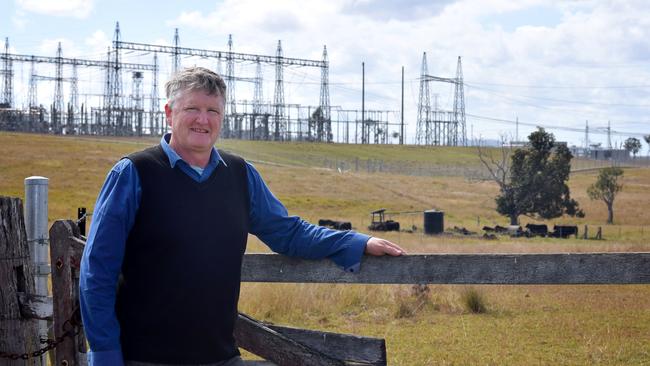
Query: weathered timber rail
[
  {"x": 291, "y": 346},
  {"x": 561, "y": 269}
]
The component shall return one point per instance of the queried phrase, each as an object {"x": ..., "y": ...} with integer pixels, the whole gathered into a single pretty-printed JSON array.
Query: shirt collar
[{"x": 215, "y": 158}]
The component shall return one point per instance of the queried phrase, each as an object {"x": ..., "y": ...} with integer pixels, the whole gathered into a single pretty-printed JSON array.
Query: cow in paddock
[
  {"x": 564, "y": 231},
  {"x": 536, "y": 230}
]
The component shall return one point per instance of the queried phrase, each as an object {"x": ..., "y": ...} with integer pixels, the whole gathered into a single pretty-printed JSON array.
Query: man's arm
[
  {"x": 101, "y": 263},
  {"x": 292, "y": 236}
]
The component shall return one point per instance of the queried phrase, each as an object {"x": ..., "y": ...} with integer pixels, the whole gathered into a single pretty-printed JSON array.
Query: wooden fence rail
[{"x": 293, "y": 347}]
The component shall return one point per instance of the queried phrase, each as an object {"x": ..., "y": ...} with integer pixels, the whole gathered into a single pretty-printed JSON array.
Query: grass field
[{"x": 541, "y": 325}]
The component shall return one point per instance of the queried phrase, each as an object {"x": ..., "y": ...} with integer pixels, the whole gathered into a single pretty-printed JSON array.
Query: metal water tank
[{"x": 434, "y": 222}]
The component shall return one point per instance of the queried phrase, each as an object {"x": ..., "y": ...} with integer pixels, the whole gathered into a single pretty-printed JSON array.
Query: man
[{"x": 171, "y": 224}]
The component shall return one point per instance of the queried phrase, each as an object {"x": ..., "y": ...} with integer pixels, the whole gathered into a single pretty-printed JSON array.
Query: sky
[{"x": 555, "y": 64}]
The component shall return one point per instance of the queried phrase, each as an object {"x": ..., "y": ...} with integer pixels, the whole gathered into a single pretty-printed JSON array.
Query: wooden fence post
[
  {"x": 18, "y": 335},
  {"x": 65, "y": 255}
]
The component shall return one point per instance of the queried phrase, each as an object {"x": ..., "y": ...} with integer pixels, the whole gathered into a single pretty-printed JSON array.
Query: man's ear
[{"x": 168, "y": 114}]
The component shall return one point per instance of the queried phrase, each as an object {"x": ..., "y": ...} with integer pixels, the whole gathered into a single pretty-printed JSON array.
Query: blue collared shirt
[{"x": 113, "y": 218}]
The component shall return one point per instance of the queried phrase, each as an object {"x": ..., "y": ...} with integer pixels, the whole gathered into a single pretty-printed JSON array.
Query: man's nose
[{"x": 203, "y": 117}]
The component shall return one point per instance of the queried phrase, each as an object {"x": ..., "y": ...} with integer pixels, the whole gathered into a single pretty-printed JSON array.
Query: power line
[
  {"x": 532, "y": 86},
  {"x": 562, "y": 100},
  {"x": 602, "y": 130}
]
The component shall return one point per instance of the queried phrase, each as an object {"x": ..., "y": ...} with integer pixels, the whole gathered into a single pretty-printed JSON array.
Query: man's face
[{"x": 195, "y": 118}]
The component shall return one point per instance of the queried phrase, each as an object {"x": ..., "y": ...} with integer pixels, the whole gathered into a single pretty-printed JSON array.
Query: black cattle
[
  {"x": 564, "y": 231},
  {"x": 501, "y": 229},
  {"x": 338, "y": 225},
  {"x": 536, "y": 230},
  {"x": 497, "y": 229}
]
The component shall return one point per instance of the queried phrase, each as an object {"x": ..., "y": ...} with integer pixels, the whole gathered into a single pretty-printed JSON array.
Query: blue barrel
[{"x": 434, "y": 222}]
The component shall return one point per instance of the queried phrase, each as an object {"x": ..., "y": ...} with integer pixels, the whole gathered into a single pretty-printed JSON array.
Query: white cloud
[
  {"x": 18, "y": 20},
  {"x": 97, "y": 44},
  {"x": 63, "y": 8},
  {"x": 549, "y": 46}
]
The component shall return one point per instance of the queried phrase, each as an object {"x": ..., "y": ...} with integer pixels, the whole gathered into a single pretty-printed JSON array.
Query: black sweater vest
[{"x": 179, "y": 287}]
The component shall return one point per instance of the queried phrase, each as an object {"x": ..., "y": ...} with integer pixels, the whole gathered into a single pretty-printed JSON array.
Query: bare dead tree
[{"x": 497, "y": 165}]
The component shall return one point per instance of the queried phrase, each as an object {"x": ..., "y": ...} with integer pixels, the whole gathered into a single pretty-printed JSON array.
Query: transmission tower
[
  {"x": 278, "y": 99},
  {"x": 229, "y": 121},
  {"x": 115, "y": 79},
  {"x": 176, "y": 60},
  {"x": 423, "y": 133},
  {"x": 32, "y": 93},
  {"x": 155, "y": 106},
  {"x": 325, "y": 100},
  {"x": 439, "y": 127},
  {"x": 8, "y": 74},
  {"x": 74, "y": 90},
  {"x": 459, "y": 108},
  {"x": 258, "y": 95},
  {"x": 57, "y": 113}
]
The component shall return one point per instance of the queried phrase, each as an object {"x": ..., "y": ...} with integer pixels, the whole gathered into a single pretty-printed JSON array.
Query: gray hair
[{"x": 195, "y": 78}]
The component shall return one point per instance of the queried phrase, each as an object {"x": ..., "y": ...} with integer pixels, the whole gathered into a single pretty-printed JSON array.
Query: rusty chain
[{"x": 71, "y": 327}]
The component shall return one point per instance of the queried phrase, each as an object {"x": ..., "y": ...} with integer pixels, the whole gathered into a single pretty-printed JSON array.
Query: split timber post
[
  {"x": 18, "y": 333},
  {"x": 65, "y": 255}
]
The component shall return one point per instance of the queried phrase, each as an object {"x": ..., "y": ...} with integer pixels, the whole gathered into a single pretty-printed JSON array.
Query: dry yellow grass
[{"x": 577, "y": 325}]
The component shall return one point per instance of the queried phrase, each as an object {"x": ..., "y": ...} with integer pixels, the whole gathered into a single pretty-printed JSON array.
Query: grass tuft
[{"x": 473, "y": 300}]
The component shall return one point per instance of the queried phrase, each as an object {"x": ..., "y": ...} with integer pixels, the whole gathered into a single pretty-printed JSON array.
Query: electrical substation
[{"x": 129, "y": 103}]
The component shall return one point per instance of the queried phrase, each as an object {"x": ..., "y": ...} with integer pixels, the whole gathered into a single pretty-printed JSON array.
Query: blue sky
[{"x": 548, "y": 63}]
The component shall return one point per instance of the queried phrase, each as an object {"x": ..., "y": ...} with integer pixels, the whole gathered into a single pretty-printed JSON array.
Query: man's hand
[{"x": 379, "y": 247}]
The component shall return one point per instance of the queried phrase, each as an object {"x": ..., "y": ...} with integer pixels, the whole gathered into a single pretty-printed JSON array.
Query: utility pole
[
  {"x": 517, "y": 129},
  {"x": 401, "y": 133},
  {"x": 609, "y": 136},
  {"x": 363, "y": 102},
  {"x": 586, "y": 137}
]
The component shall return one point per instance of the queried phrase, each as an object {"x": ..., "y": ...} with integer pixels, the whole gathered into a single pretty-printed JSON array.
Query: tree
[
  {"x": 632, "y": 145},
  {"x": 534, "y": 182},
  {"x": 647, "y": 141},
  {"x": 605, "y": 188}
]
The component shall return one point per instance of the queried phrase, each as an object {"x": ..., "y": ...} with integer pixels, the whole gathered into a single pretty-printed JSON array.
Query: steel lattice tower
[
  {"x": 115, "y": 94},
  {"x": 74, "y": 90},
  {"x": 423, "y": 132},
  {"x": 278, "y": 98},
  {"x": 57, "y": 115},
  {"x": 176, "y": 60},
  {"x": 258, "y": 95},
  {"x": 8, "y": 73},
  {"x": 33, "y": 93},
  {"x": 154, "y": 106},
  {"x": 107, "y": 84},
  {"x": 229, "y": 120},
  {"x": 258, "y": 99},
  {"x": 325, "y": 100},
  {"x": 459, "y": 108}
]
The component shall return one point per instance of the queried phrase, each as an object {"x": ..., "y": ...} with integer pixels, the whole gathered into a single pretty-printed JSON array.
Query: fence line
[{"x": 290, "y": 346}]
